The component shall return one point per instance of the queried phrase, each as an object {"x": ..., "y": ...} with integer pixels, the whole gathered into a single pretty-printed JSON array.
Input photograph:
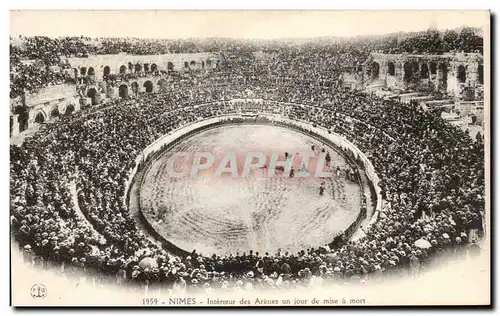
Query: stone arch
[
  {"x": 69, "y": 109},
  {"x": 146, "y": 68},
  {"x": 162, "y": 85},
  {"x": 130, "y": 66},
  {"x": 83, "y": 71},
  {"x": 154, "y": 67},
  {"x": 480, "y": 74},
  {"x": 137, "y": 68},
  {"x": 408, "y": 71},
  {"x": 92, "y": 94},
  {"x": 433, "y": 68},
  {"x": 443, "y": 73},
  {"x": 170, "y": 66},
  {"x": 135, "y": 87},
  {"x": 148, "y": 85},
  {"x": 424, "y": 71},
  {"x": 202, "y": 64},
  {"x": 123, "y": 91},
  {"x": 209, "y": 63},
  {"x": 391, "y": 69},
  {"x": 375, "y": 70},
  {"x": 123, "y": 69},
  {"x": 106, "y": 71},
  {"x": 54, "y": 112},
  {"x": 461, "y": 74},
  {"x": 186, "y": 64},
  {"x": 192, "y": 63},
  {"x": 91, "y": 71},
  {"x": 40, "y": 117},
  {"x": 415, "y": 66},
  {"x": 23, "y": 117}
]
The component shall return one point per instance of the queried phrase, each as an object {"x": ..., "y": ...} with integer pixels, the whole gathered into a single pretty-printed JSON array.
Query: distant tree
[
  {"x": 450, "y": 40},
  {"x": 433, "y": 41},
  {"x": 468, "y": 41}
]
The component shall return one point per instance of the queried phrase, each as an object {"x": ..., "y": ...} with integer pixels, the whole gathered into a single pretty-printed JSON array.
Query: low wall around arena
[{"x": 337, "y": 140}]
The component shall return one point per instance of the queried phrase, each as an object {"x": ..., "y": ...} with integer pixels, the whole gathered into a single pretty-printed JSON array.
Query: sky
[{"x": 235, "y": 24}]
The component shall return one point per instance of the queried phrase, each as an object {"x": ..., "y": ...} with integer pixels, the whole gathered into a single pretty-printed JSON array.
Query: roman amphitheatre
[{"x": 94, "y": 122}]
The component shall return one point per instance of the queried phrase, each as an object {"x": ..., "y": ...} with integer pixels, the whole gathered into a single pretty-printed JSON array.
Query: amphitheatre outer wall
[
  {"x": 168, "y": 140},
  {"x": 101, "y": 65},
  {"x": 50, "y": 102},
  {"x": 453, "y": 74}
]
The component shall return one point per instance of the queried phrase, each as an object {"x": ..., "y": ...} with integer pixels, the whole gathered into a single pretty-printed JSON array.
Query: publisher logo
[{"x": 38, "y": 291}]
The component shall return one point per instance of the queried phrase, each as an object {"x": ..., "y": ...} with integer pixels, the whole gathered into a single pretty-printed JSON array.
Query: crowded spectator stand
[{"x": 68, "y": 211}]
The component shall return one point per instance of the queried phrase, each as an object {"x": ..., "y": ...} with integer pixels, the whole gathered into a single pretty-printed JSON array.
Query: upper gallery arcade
[
  {"x": 99, "y": 66},
  {"x": 133, "y": 74},
  {"x": 459, "y": 76}
]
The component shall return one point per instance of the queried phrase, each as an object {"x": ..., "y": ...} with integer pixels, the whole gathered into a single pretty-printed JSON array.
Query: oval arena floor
[{"x": 228, "y": 215}]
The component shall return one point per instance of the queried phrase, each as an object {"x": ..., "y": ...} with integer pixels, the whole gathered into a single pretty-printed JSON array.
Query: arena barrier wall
[{"x": 171, "y": 139}]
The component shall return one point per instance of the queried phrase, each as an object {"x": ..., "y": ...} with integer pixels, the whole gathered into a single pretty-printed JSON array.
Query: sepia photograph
[{"x": 249, "y": 158}]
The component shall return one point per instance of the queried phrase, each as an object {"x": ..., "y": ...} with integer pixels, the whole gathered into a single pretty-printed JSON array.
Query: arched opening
[
  {"x": 106, "y": 71},
  {"x": 415, "y": 67},
  {"x": 149, "y": 86},
  {"x": 23, "y": 117},
  {"x": 480, "y": 74},
  {"x": 83, "y": 71},
  {"x": 123, "y": 69},
  {"x": 408, "y": 71},
  {"x": 39, "y": 118},
  {"x": 154, "y": 68},
  {"x": 192, "y": 63},
  {"x": 162, "y": 85},
  {"x": 433, "y": 68},
  {"x": 123, "y": 91},
  {"x": 468, "y": 93},
  {"x": 91, "y": 71},
  {"x": 461, "y": 74},
  {"x": 391, "y": 69},
  {"x": 146, "y": 68},
  {"x": 202, "y": 64},
  {"x": 69, "y": 109},
  {"x": 375, "y": 69},
  {"x": 170, "y": 66},
  {"x": 130, "y": 66},
  {"x": 186, "y": 64},
  {"x": 443, "y": 74},
  {"x": 92, "y": 94},
  {"x": 209, "y": 63},
  {"x": 138, "y": 67},
  {"x": 424, "y": 71},
  {"x": 135, "y": 87},
  {"x": 55, "y": 112}
]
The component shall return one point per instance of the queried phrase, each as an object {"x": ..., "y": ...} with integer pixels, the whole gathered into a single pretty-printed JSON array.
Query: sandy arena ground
[{"x": 222, "y": 216}]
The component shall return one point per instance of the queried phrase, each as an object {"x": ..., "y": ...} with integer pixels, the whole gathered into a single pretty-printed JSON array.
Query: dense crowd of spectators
[
  {"x": 36, "y": 62},
  {"x": 68, "y": 185}
]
